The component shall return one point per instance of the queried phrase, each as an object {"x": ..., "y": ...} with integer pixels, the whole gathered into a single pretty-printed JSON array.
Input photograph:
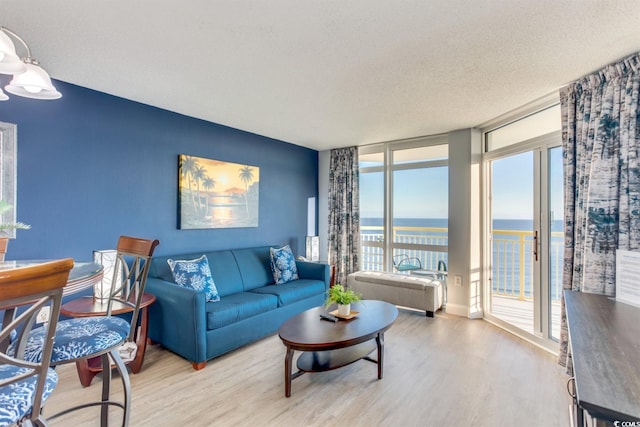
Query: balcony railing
[
  {"x": 512, "y": 273},
  {"x": 372, "y": 238},
  {"x": 513, "y": 264}
]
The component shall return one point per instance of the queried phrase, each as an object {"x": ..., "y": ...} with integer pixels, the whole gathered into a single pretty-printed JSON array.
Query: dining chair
[
  {"x": 78, "y": 340},
  {"x": 133, "y": 259},
  {"x": 132, "y": 262},
  {"x": 26, "y": 381}
]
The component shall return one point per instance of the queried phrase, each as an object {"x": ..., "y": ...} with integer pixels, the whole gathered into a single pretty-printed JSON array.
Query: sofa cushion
[
  {"x": 294, "y": 291},
  {"x": 225, "y": 272},
  {"x": 283, "y": 265},
  {"x": 236, "y": 307},
  {"x": 195, "y": 274},
  {"x": 253, "y": 264},
  {"x": 160, "y": 267}
]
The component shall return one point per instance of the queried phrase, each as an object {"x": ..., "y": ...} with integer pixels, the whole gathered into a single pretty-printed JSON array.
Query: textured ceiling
[{"x": 327, "y": 73}]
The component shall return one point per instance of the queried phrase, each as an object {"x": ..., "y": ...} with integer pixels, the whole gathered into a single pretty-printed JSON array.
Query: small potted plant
[
  {"x": 342, "y": 296},
  {"x": 4, "y": 241}
]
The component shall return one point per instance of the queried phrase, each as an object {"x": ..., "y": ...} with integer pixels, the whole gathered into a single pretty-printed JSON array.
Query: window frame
[{"x": 387, "y": 149}]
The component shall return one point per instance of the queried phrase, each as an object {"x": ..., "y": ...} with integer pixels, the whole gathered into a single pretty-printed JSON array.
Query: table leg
[
  {"x": 288, "y": 359},
  {"x": 141, "y": 341},
  {"x": 380, "y": 344},
  {"x": 85, "y": 373}
]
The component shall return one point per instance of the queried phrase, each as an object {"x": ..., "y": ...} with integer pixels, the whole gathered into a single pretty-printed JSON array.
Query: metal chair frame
[
  {"x": 400, "y": 259},
  {"x": 132, "y": 285},
  {"x": 27, "y": 290},
  {"x": 130, "y": 290}
]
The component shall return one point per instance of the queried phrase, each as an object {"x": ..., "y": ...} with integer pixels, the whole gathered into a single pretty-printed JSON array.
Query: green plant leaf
[
  {"x": 4, "y": 208},
  {"x": 340, "y": 295}
]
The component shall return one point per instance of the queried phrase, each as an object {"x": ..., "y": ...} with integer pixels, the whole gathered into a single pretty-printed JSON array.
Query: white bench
[{"x": 421, "y": 293}]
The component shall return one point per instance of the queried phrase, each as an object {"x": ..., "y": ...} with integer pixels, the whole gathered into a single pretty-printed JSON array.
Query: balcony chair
[
  {"x": 25, "y": 385},
  {"x": 441, "y": 272},
  {"x": 403, "y": 262},
  {"x": 84, "y": 338}
]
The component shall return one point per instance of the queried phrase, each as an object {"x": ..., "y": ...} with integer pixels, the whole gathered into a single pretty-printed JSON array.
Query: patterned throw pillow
[
  {"x": 195, "y": 274},
  {"x": 283, "y": 265}
]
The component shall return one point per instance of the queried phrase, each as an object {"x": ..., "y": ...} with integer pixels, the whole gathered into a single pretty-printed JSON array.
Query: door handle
[{"x": 535, "y": 245}]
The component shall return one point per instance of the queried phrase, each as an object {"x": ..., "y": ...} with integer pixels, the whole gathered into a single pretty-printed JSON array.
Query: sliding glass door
[
  {"x": 513, "y": 239},
  {"x": 524, "y": 235},
  {"x": 526, "y": 240}
]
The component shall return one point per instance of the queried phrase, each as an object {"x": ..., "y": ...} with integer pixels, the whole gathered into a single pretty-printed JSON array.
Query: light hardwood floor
[{"x": 445, "y": 371}]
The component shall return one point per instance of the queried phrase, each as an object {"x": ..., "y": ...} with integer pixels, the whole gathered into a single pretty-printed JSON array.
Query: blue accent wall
[{"x": 92, "y": 167}]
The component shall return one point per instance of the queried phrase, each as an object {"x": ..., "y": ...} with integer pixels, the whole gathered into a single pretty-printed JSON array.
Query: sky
[
  {"x": 513, "y": 186},
  {"x": 419, "y": 193},
  {"x": 226, "y": 175},
  {"x": 423, "y": 193}
]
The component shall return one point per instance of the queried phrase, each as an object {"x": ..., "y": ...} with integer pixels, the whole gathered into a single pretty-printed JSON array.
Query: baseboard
[
  {"x": 457, "y": 309},
  {"x": 463, "y": 310},
  {"x": 478, "y": 314}
]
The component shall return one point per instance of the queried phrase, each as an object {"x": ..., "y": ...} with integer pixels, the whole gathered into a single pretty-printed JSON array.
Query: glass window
[
  {"x": 421, "y": 206},
  {"x": 538, "y": 124},
  {"x": 421, "y": 154},
  {"x": 371, "y": 160},
  {"x": 371, "y": 220},
  {"x": 417, "y": 202}
]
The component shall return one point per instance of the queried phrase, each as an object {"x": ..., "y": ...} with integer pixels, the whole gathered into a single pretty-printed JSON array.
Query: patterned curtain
[
  {"x": 344, "y": 212},
  {"x": 601, "y": 145}
]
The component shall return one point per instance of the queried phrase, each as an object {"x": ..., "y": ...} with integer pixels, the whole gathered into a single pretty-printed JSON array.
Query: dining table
[{"x": 83, "y": 275}]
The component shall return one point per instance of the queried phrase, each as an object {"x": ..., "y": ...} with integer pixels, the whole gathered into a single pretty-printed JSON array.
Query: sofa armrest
[
  {"x": 314, "y": 270},
  {"x": 178, "y": 319}
]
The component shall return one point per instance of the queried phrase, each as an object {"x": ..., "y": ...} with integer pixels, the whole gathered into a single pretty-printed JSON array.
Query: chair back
[
  {"x": 403, "y": 262},
  {"x": 130, "y": 275},
  {"x": 24, "y": 291},
  {"x": 442, "y": 270}
]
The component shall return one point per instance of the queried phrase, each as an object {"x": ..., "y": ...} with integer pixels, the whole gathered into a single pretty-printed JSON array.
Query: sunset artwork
[{"x": 216, "y": 194}]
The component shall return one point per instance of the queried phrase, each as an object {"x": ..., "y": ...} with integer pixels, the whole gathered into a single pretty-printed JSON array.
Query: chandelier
[{"x": 29, "y": 79}]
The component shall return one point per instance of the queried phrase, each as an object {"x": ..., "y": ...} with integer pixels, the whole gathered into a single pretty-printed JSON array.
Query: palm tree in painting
[
  {"x": 187, "y": 167},
  {"x": 199, "y": 174},
  {"x": 246, "y": 176},
  {"x": 208, "y": 183}
]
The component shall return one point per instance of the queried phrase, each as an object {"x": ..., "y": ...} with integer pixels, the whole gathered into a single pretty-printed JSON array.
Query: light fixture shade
[
  {"x": 313, "y": 248},
  {"x": 34, "y": 83},
  {"x": 9, "y": 61},
  {"x": 107, "y": 258}
]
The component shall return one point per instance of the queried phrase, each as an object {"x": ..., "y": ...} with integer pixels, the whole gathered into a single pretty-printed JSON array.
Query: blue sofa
[{"x": 251, "y": 306}]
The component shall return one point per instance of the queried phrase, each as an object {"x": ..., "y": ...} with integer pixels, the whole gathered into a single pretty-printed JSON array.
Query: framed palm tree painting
[{"x": 216, "y": 194}]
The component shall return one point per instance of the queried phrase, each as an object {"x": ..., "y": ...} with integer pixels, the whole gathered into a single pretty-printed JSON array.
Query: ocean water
[
  {"x": 507, "y": 250},
  {"x": 498, "y": 224}
]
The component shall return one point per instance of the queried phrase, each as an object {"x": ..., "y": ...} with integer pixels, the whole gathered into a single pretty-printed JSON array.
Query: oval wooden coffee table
[{"x": 327, "y": 345}]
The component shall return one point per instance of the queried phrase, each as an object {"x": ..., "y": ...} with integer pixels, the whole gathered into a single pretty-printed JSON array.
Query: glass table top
[{"x": 83, "y": 275}]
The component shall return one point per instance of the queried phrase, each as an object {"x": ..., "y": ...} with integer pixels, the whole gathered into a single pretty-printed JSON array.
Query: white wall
[
  {"x": 464, "y": 223},
  {"x": 323, "y": 203}
]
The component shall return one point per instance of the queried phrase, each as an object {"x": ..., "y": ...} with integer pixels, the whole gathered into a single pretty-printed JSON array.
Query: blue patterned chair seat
[
  {"x": 16, "y": 399},
  {"x": 13, "y": 335},
  {"x": 78, "y": 338}
]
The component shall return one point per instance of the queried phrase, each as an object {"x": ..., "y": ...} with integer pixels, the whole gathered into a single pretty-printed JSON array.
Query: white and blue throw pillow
[
  {"x": 283, "y": 265},
  {"x": 195, "y": 274}
]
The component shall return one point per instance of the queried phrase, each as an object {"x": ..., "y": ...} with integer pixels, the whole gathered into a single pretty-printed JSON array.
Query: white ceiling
[{"x": 327, "y": 73}]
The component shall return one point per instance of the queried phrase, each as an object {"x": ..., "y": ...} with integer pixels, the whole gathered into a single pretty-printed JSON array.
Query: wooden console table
[{"x": 605, "y": 345}]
